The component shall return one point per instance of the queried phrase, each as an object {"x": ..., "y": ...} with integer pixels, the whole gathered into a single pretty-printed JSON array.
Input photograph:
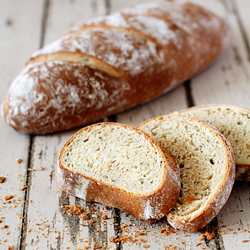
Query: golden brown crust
[
  {"x": 150, "y": 205},
  {"x": 75, "y": 80}
]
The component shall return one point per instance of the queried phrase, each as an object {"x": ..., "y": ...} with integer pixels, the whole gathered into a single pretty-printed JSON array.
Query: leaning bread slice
[
  {"x": 120, "y": 166},
  {"x": 234, "y": 123},
  {"x": 206, "y": 163}
]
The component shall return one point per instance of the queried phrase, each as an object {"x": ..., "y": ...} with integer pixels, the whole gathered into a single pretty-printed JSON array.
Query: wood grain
[{"x": 16, "y": 33}]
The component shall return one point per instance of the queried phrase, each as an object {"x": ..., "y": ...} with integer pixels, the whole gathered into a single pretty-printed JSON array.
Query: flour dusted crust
[
  {"x": 144, "y": 205},
  {"x": 75, "y": 80},
  {"x": 197, "y": 147}
]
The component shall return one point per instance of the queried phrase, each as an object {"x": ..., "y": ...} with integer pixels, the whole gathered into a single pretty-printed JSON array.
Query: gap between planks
[{"x": 23, "y": 229}]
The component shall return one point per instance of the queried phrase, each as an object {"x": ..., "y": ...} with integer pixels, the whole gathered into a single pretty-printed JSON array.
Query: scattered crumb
[
  {"x": 2, "y": 179},
  {"x": 245, "y": 241},
  {"x": 91, "y": 222},
  {"x": 41, "y": 168},
  {"x": 112, "y": 239},
  {"x": 210, "y": 232},
  {"x": 8, "y": 197},
  {"x": 84, "y": 216},
  {"x": 145, "y": 246},
  {"x": 104, "y": 217},
  {"x": 75, "y": 210},
  {"x": 5, "y": 226},
  {"x": 19, "y": 160}
]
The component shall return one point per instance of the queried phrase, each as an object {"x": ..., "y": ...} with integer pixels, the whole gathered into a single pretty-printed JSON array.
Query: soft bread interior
[
  {"x": 233, "y": 122},
  {"x": 116, "y": 155},
  {"x": 201, "y": 155}
]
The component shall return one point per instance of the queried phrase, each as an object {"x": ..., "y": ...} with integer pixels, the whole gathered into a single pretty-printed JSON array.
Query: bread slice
[
  {"x": 234, "y": 123},
  {"x": 120, "y": 166},
  {"x": 206, "y": 164}
]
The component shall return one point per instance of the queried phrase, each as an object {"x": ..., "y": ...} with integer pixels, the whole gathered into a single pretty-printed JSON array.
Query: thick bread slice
[
  {"x": 206, "y": 163},
  {"x": 234, "y": 123},
  {"x": 120, "y": 166}
]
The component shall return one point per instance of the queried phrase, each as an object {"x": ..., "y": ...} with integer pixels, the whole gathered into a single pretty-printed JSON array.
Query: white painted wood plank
[
  {"x": 62, "y": 231},
  {"x": 227, "y": 81},
  {"x": 66, "y": 14},
  {"x": 242, "y": 11},
  {"x": 17, "y": 40}
]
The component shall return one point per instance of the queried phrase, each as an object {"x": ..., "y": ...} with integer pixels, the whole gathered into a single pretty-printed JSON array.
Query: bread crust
[
  {"x": 219, "y": 198},
  {"x": 103, "y": 68},
  {"x": 153, "y": 205},
  {"x": 242, "y": 169}
]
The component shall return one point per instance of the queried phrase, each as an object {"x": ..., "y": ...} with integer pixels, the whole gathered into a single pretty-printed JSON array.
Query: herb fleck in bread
[
  {"x": 234, "y": 123},
  {"x": 120, "y": 166},
  {"x": 206, "y": 164}
]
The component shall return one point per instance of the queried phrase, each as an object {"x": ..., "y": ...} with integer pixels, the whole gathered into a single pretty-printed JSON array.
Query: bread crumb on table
[
  {"x": 91, "y": 222},
  {"x": 19, "y": 160},
  {"x": 84, "y": 216},
  {"x": 75, "y": 210},
  {"x": 2, "y": 179},
  {"x": 245, "y": 241},
  {"x": 8, "y": 197}
]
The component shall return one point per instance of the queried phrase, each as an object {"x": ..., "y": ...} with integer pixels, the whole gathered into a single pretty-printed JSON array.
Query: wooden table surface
[{"x": 38, "y": 216}]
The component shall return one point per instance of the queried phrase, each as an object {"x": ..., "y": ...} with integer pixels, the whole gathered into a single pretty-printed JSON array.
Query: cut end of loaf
[
  {"x": 206, "y": 164},
  {"x": 116, "y": 155}
]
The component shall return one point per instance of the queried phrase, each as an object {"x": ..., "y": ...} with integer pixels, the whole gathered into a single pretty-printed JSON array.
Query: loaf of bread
[
  {"x": 112, "y": 63},
  {"x": 206, "y": 163},
  {"x": 234, "y": 123},
  {"x": 120, "y": 166}
]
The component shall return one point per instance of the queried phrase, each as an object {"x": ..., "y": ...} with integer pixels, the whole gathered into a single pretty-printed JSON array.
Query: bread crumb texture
[
  {"x": 232, "y": 121},
  {"x": 200, "y": 154},
  {"x": 117, "y": 155}
]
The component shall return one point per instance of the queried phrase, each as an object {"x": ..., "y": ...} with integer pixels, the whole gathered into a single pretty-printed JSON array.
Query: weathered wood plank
[
  {"x": 18, "y": 39},
  {"x": 241, "y": 9},
  {"x": 50, "y": 224},
  {"x": 227, "y": 81}
]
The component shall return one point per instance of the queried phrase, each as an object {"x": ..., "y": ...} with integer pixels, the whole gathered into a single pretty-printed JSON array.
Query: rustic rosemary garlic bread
[
  {"x": 206, "y": 163},
  {"x": 234, "y": 123},
  {"x": 120, "y": 166}
]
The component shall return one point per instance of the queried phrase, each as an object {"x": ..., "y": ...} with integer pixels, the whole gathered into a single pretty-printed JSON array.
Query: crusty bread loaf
[
  {"x": 112, "y": 63},
  {"x": 234, "y": 123},
  {"x": 206, "y": 164},
  {"x": 120, "y": 166}
]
